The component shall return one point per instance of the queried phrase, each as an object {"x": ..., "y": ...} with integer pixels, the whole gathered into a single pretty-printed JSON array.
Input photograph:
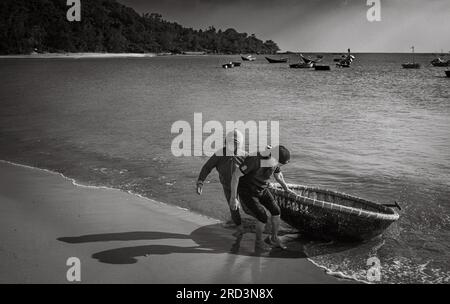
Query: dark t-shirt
[
  {"x": 257, "y": 172},
  {"x": 225, "y": 165}
]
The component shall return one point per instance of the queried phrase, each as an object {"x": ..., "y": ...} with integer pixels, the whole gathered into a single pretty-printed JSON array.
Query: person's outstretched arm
[
  {"x": 206, "y": 170},
  {"x": 236, "y": 174},
  {"x": 280, "y": 179}
]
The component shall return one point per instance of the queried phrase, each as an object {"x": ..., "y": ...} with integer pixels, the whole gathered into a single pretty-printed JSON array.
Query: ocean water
[{"x": 374, "y": 130}]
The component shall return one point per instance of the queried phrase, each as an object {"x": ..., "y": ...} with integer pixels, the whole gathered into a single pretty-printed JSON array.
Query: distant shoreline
[
  {"x": 149, "y": 55},
  {"x": 78, "y": 55}
]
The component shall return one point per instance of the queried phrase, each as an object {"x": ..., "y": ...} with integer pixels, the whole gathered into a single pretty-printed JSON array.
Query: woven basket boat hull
[{"x": 328, "y": 215}]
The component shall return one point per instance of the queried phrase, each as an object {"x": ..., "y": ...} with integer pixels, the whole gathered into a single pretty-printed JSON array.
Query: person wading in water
[
  {"x": 225, "y": 163},
  {"x": 250, "y": 183}
]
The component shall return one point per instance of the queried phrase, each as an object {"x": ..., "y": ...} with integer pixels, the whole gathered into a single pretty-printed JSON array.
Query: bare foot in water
[
  {"x": 275, "y": 243},
  {"x": 239, "y": 231},
  {"x": 261, "y": 246}
]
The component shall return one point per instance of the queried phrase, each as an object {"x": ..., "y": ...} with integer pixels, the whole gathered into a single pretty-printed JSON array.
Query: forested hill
[{"x": 108, "y": 26}]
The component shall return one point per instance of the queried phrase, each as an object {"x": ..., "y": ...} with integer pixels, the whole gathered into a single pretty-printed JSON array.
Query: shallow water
[{"x": 374, "y": 130}]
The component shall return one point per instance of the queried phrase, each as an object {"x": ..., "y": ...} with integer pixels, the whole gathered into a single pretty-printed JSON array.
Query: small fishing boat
[
  {"x": 309, "y": 60},
  {"x": 322, "y": 67},
  {"x": 438, "y": 62},
  {"x": 248, "y": 58},
  {"x": 281, "y": 60},
  {"x": 346, "y": 60},
  {"x": 413, "y": 64},
  {"x": 325, "y": 214},
  {"x": 343, "y": 64},
  {"x": 236, "y": 64},
  {"x": 447, "y": 73},
  {"x": 302, "y": 65},
  {"x": 228, "y": 65},
  {"x": 305, "y": 63}
]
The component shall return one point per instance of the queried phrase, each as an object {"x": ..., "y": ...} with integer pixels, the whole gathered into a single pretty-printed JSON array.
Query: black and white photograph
[{"x": 245, "y": 143}]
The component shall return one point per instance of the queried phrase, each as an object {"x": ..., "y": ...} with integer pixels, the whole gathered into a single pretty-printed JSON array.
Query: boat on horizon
[
  {"x": 228, "y": 65},
  {"x": 248, "y": 58},
  {"x": 325, "y": 214},
  {"x": 439, "y": 62},
  {"x": 346, "y": 60},
  {"x": 281, "y": 60},
  {"x": 410, "y": 65},
  {"x": 302, "y": 65},
  {"x": 309, "y": 60},
  {"x": 322, "y": 67},
  {"x": 343, "y": 65},
  {"x": 306, "y": 63},
  {"x": 413, "y": 64}
]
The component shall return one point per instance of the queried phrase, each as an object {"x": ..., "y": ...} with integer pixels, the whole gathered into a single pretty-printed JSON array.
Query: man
[
  {"x": 225, "y": 164},
  {"x": 250, "y": 183}
]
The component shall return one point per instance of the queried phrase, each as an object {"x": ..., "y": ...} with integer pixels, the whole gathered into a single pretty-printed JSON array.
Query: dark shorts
[{"x": 255, "y": 204}]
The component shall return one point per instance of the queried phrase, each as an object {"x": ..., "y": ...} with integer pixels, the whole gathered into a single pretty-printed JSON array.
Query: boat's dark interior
[{"x": 340, "y": 199}]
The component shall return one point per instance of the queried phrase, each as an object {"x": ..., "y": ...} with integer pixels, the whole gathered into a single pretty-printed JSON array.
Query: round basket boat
[{"x": 327, "y": 215}]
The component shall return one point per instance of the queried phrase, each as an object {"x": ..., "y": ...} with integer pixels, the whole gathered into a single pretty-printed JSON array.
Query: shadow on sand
[{"x": 211, "y": 239}]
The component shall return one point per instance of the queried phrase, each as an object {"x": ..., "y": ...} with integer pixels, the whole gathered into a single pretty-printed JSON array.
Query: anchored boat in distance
[
  {"x": 306, "y": 63},
  {"x": 248, "y": 58},
  {"x": 439, "y": 62},
  {"x": 346, "y": 60},
  {"x": 413, "y": 64},
  {"x": 231, "y": 64},
  {"x": 281, "y": 60}
]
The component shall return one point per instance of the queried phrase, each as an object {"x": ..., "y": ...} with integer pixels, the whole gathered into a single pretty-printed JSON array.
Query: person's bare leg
[
  {"x": 259, "y": 230},
  {"x": 239, "y": 231},
  {"x": 236, "y": 218},
  {"x": 275, "y": 228},
  {"x": 259, "y": 242},
  {"x": 275, "y": 219}
]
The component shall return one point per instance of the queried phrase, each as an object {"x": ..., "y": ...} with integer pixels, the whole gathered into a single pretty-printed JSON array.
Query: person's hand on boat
[
  {"x": 234, "y": 204},
  {"x": 199, "y": 187},
  {"x": 289, "y": 191}
]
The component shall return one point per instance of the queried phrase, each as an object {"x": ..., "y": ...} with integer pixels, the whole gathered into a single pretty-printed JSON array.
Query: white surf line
[
  {"x": 337, "y": 274},
  {"x": 77, "y": 184}
]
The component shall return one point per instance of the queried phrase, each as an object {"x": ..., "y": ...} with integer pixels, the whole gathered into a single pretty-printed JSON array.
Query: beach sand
[{"x": 123, "y": 238}]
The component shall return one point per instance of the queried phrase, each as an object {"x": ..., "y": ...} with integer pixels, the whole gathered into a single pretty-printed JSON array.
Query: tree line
[{"x": 108, "y": 26}]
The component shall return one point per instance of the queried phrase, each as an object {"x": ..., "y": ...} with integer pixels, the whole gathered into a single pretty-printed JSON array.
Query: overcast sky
[{"x": 318, "y": 25}]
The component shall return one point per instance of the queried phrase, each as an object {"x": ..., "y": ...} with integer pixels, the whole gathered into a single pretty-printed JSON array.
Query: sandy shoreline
[
  {"x": 78, "y": 55},
  {"x": 123, "y": 238}
]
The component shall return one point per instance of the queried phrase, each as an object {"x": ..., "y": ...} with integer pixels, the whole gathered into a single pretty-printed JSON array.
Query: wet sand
[{"x": 123, "y": 238}]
